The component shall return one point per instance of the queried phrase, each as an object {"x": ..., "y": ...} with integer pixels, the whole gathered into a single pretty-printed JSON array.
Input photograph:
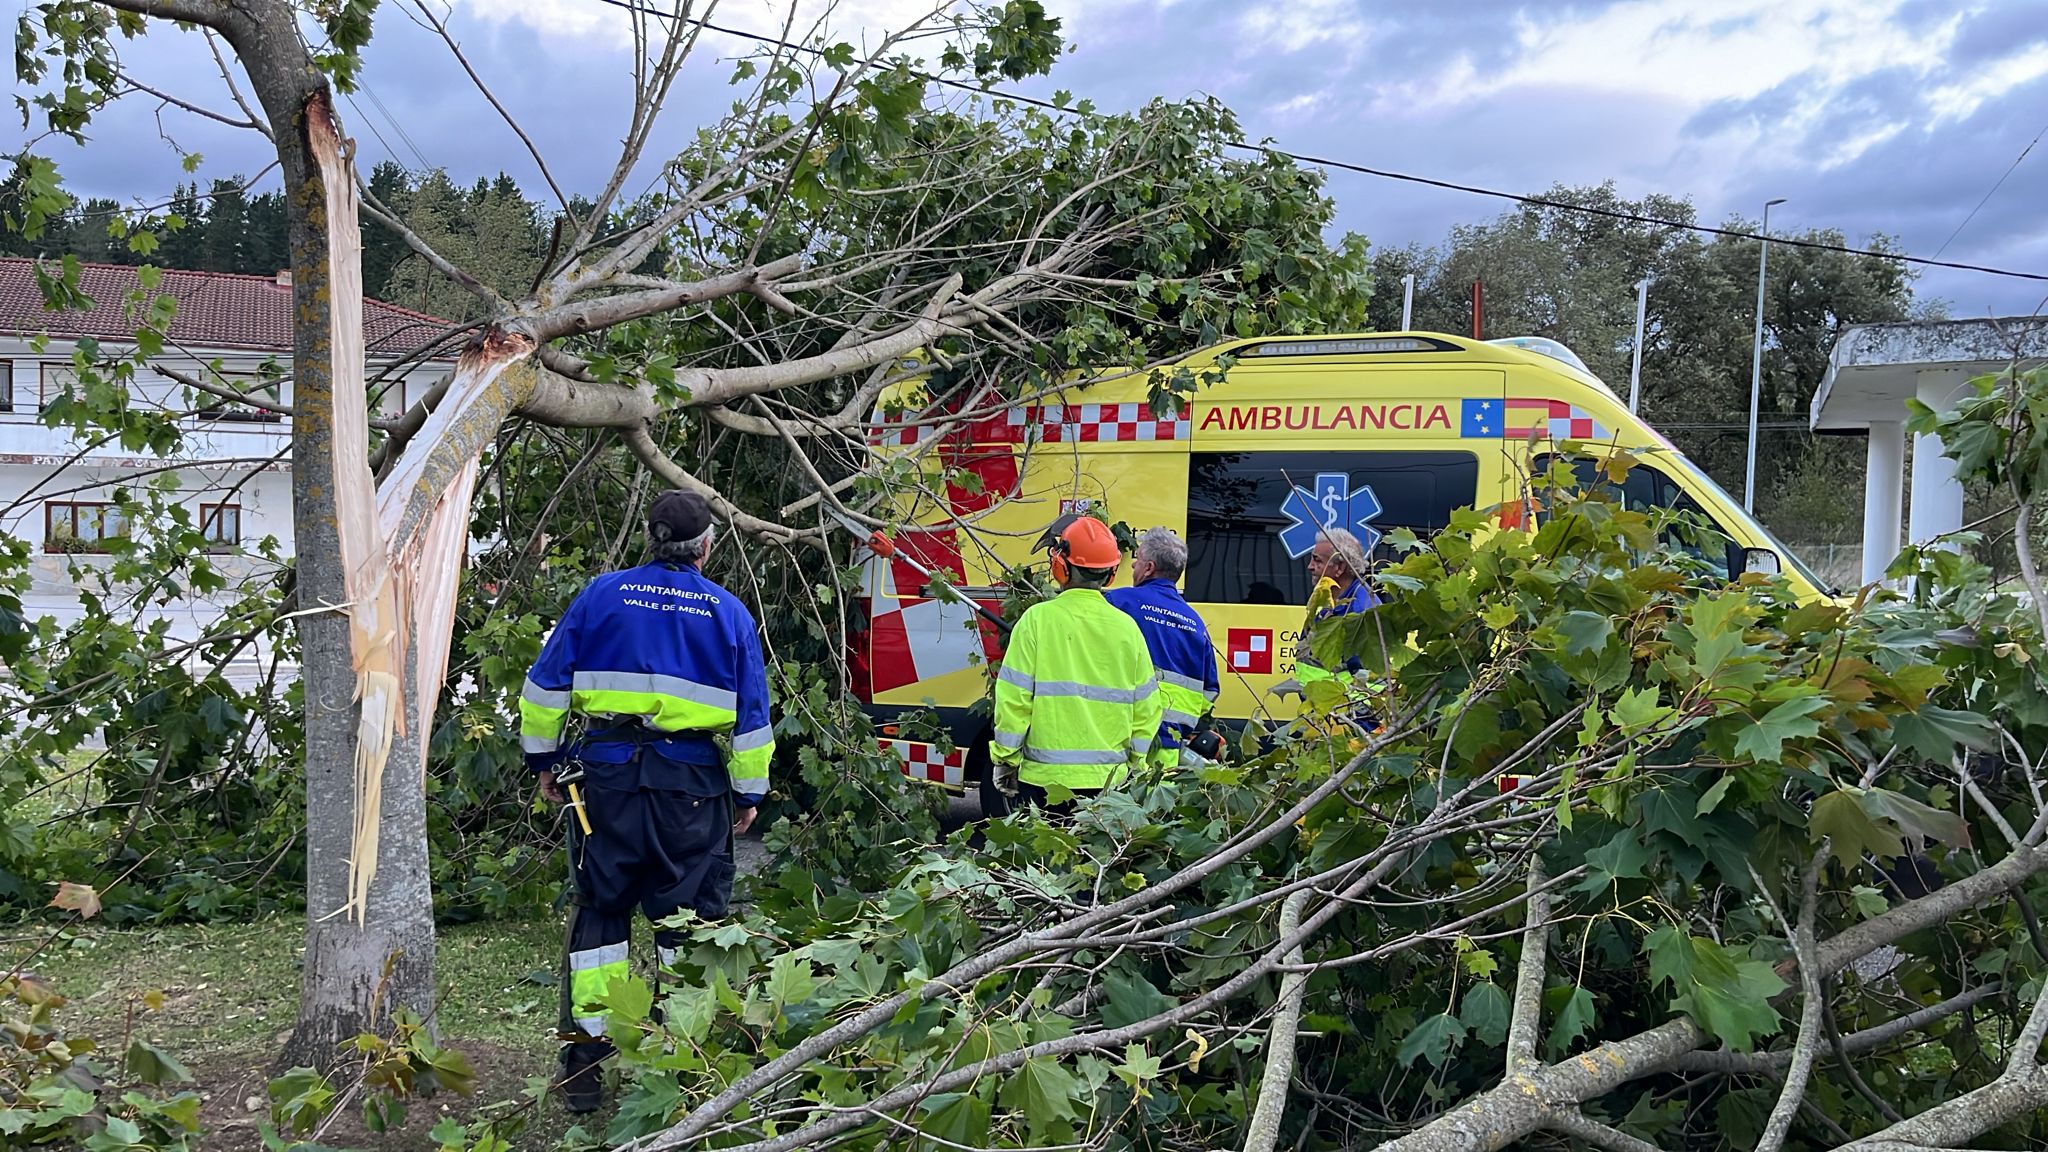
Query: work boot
[{"x": 583, "y": 1075}]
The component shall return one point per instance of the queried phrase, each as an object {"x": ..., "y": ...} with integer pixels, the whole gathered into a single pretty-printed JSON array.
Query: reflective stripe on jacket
[
  {"x": 1183, "y": 659},
  {"x": 1076, "y": 701},
  {"x": 661, "y": 645}
]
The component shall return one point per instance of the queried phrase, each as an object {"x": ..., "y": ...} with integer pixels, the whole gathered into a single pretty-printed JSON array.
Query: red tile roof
[{"x": 215, "y": 310}]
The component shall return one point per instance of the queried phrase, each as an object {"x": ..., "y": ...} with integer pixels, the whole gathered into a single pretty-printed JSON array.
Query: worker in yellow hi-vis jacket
[{"x": 1077, "y": 704}]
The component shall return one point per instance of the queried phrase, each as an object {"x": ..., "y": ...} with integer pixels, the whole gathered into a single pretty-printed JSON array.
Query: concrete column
[
  {"x": 1937, "y": 501},
  {"x": 1883, "y": 495}
]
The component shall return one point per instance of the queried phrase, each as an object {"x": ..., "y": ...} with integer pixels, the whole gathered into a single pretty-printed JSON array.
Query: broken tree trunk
[{"x": 369, "y": 922}]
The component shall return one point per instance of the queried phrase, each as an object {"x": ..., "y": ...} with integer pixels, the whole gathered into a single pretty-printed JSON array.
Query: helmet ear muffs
[{"x": 1061, "y": 569}]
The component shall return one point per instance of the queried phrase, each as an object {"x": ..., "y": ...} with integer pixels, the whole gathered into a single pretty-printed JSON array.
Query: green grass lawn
[{"x": 230, "y": 992}]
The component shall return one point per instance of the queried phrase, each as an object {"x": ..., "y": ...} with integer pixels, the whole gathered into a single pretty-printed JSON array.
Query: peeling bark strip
[
  {"x": 376, "y": 629},
  {"x": 423, "y": 507}
]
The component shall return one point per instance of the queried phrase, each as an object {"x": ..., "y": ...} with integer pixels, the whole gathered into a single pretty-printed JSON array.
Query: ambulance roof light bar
[
  {"x": 1545, "y": 346},
  {"x": 1355, "y": 346}
]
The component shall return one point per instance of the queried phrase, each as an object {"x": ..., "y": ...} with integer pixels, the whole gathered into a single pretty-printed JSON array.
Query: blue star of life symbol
[{"x": 1329, "y": 504}]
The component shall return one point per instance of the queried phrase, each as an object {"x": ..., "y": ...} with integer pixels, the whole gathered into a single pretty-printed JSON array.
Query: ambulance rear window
[{"x": 1254, "y": 516}]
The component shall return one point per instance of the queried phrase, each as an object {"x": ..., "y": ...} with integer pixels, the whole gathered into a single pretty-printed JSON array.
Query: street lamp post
[
  {"x": 1756, "y": 362},
  {"x": 1408, "y": 302},
  {"x": 1635, "y": 372}
]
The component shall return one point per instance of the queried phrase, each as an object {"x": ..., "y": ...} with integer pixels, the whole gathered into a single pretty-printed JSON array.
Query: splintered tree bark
[{"x": 370, "y": 924}]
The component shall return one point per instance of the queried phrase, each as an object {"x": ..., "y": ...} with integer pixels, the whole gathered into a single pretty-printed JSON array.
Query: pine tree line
[{"x": 491, "y": 228}]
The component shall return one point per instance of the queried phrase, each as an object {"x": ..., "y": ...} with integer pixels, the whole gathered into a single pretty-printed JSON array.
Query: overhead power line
[
  {"x": 1388, "y": 174},
  {"x": 1994, "y": 190}
]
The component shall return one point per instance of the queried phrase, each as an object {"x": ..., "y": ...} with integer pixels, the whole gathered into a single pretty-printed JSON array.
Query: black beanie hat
[{"x": 678, "y": 515}]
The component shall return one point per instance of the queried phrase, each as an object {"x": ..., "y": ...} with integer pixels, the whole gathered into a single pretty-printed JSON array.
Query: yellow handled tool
[{"x": 570, "y": 784}]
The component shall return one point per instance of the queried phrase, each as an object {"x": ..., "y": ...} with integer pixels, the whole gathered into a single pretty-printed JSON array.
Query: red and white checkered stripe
[
  {"x": 1099, "y": 423},
  {"x": 925, "y": 762},
  {"x": 895, "y": 430}
]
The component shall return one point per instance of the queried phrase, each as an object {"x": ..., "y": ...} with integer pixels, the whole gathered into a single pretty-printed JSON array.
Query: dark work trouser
[{"x": 661, "y": 850}]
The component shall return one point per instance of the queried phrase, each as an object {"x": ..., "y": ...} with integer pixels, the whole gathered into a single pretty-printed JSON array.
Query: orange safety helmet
[{"x": 1081, "y": 542}]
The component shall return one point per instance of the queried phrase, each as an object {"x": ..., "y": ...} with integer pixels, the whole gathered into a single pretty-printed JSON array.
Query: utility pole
[
  {"x": 1635, "y": 372},
  {"x": 1756, "y": 362},
  {"x": 1478, "y": 309}
]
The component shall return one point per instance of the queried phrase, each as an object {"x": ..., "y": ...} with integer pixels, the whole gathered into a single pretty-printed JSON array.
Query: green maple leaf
[
  {"x": 1764, "y": 740},
  {"x": 1433, "y": 1040},
  {"x": 1044, "y": 1091},
  {"x": 1722, "y": 989},
  {"x": 1839, "y": 816},
  {"x": 957, "y": 1118},
  {"x": 1731, "y": 994},
  {"x": 1637, "y": 709},
  {"x": 1621, "y": 858},
  {"x": 1485, "y": 1011},
  {"x": 1128, "y": 999},
  {"x": 1573, "y": 1006},
  {"x": 1935, "y": 732},
  {"x": 1585, "y": 631},
  {"x": 790, "y": 980}
]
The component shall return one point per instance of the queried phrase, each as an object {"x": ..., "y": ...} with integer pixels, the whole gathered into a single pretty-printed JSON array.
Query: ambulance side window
[
  {"x": 1645, "y": 488},
  {"x": 1244, "y": 547}
]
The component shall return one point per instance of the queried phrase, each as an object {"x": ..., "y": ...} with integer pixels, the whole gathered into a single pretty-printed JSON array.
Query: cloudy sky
[{"x": 1894, "y": 116}]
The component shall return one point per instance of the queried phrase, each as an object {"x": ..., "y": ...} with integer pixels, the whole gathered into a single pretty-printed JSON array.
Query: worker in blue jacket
[
  {"x": 660, "y": 660},
  {"x": 1183, "y": 658}
]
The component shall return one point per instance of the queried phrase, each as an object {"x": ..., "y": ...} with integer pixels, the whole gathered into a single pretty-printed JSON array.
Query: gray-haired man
[{"x": 1182, "y": 655}]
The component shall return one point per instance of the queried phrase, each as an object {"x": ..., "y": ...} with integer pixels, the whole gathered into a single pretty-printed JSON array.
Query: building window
[
  {"x": 221, "y": 524},
  {"x": 6, "y": 385},
  {"x": 1243, "y": 540},
  {"x": 82, "y": 526}
]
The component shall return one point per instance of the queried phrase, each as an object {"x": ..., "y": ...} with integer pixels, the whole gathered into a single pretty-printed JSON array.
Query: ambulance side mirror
[{"x": 1762, "y": 560}]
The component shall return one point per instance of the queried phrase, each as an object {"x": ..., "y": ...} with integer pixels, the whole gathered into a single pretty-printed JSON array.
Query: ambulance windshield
[{"x": 1699, "y": 475}]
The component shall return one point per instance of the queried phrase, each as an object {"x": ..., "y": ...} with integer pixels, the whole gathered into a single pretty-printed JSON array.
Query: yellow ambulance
[{"x": 1368, "y": 432}]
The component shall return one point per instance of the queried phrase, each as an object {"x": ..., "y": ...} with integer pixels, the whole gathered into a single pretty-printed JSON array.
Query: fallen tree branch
[
  {"x": 1528, "y": 1008},
  {"x": 1806, "y": 1043},
  {"x": 1578, "y": 1125},
  {"x": 1759, "y": 1063},
  {"x": 1264, "y": 1130}
]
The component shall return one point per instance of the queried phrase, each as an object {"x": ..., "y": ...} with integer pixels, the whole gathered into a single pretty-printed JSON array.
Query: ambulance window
[
  {"x": 1645, "y": 488},
  {"x": 1245, "y": 548}
]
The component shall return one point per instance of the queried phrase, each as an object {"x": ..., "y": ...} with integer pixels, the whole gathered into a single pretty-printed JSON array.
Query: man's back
[
  {"x": 1076, "y": 699},
  {"x": 653, "y": 620},
  {"x": 1174, "y": 633},
  {"x": 663, "y": 648}
]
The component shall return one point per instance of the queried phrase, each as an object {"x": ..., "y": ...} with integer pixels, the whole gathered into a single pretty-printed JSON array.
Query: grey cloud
[
  {"x": 1998, "y": 32},
  {"x": 570, "y": 93}
]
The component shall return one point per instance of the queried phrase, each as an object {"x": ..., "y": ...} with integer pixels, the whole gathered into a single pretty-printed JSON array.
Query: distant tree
[
  {"x": 224, "y": 234},
  {"x": 184, "y": 239},
  {"x": 1570, "y": 275}
]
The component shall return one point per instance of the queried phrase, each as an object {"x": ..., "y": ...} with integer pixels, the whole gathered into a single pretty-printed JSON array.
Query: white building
[
  {"x": 234, "y": 473},
  {"x": 1873, "y": 371}
]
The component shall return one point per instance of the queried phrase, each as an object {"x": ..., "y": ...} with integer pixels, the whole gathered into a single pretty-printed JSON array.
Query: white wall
[{"x": 223, "y": 462}]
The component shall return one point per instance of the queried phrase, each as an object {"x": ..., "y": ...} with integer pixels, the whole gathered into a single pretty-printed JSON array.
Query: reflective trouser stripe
[{"x": 591, "y": 973}]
